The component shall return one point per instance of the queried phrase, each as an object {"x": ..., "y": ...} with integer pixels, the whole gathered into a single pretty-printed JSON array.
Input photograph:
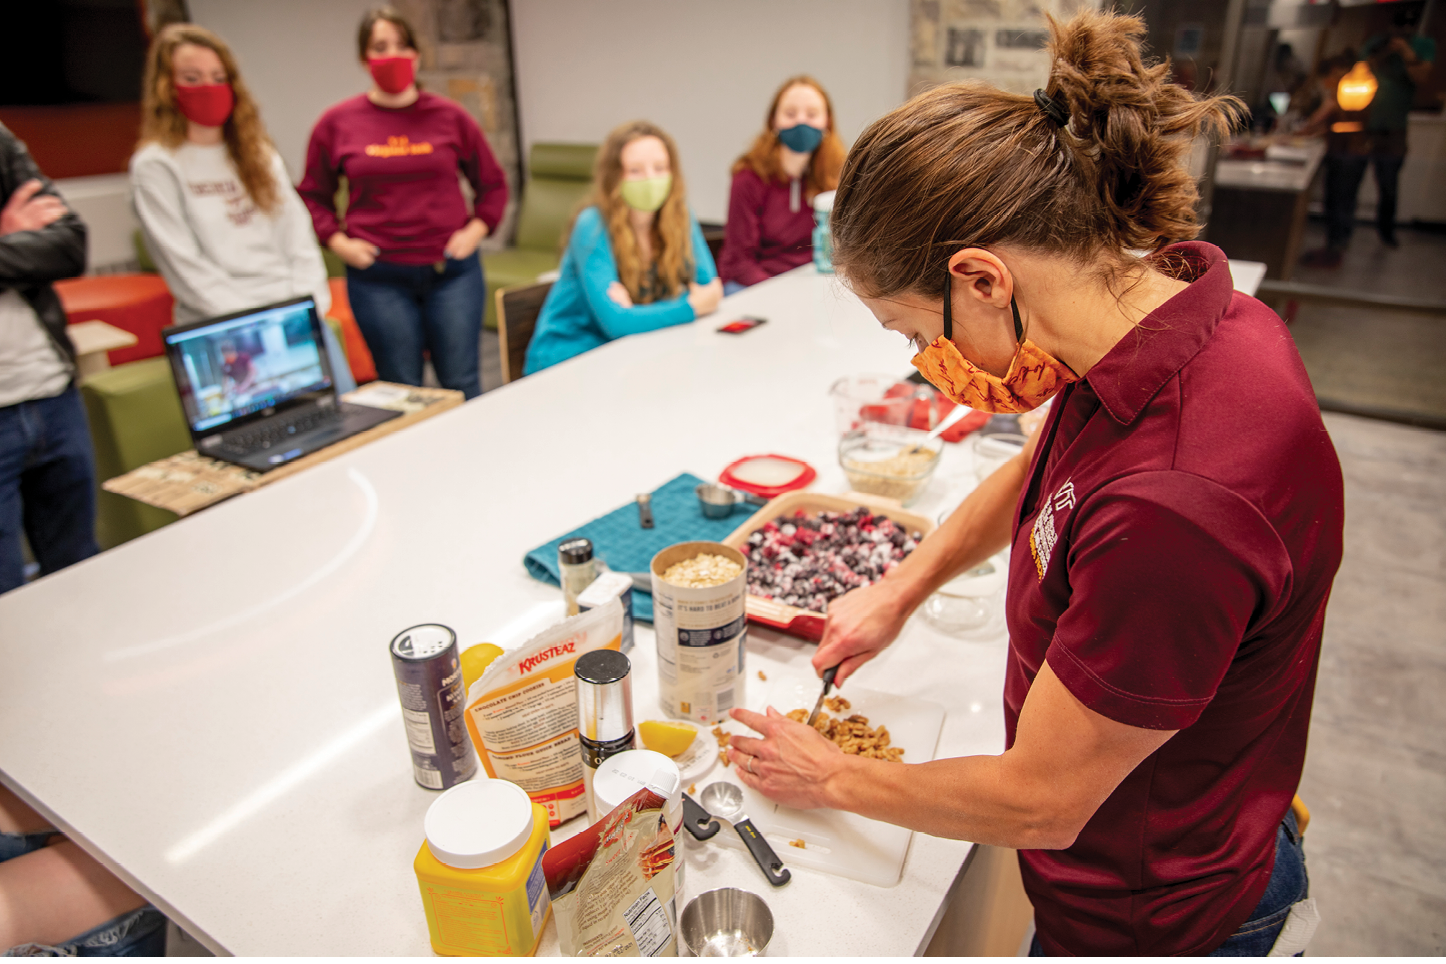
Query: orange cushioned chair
[
  {"x": 138, "y": 303},
  {"x": 363, "y": 369}
]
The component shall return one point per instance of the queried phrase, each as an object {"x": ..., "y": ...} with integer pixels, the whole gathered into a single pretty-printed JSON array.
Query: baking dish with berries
[{"x": 805, "y": 549}]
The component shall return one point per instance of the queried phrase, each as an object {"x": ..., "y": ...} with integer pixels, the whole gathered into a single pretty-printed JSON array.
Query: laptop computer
[{"x": 257, "y": 387}]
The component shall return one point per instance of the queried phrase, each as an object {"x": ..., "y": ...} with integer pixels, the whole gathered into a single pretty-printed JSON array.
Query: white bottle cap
[
  {"x": 478, "y": 824},
  {"x": 823, "y": 201},
  {"x": 623, "y": 775}
]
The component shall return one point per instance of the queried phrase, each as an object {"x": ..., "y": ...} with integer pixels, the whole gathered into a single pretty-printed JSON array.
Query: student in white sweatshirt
[{"x": 220, "y": 217}]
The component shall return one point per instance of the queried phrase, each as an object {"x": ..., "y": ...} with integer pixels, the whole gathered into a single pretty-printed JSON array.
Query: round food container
[
  {"x": 623, "y": 775},
  {"x": 700, "y": 622},
  {"x": 727, "y": 922},
  {"x": 860, "y": 400},
  {"x": 892, "y": 462}
]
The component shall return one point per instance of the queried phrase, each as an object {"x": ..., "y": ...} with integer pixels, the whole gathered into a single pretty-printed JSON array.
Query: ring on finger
[{"x": 750, "y": 764}]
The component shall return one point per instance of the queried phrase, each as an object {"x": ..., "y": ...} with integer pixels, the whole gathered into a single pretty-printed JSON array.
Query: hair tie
[{"x": 1052, "y": 109}]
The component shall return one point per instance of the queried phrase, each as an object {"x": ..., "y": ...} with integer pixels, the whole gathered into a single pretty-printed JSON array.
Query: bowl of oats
[{"x": 889, "y": 461}]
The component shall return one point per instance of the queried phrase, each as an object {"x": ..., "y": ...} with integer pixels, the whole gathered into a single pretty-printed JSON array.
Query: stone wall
[
  {"x": 466, "y": 55},
  {"x": 999, "y": 41}
]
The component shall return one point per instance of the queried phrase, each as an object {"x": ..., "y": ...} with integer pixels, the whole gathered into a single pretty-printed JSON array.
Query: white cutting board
[{"x": 839, "y": 843}]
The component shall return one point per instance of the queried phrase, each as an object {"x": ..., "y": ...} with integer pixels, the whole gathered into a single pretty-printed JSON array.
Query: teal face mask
[{"x": 647, "y": 194}]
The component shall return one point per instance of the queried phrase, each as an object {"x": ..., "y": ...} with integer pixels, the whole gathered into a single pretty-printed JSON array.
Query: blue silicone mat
[{"x": 625, "y": 546}]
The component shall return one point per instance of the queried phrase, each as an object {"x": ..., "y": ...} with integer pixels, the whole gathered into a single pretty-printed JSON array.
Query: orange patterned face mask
[{"x": 1033, "y": 378}]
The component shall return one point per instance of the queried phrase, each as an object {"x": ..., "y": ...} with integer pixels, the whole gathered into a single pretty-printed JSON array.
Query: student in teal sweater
[{"x": 636, "y": 260}]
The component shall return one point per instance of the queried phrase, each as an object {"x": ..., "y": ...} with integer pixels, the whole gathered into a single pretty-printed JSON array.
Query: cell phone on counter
[{"x": 747, "y": 323}]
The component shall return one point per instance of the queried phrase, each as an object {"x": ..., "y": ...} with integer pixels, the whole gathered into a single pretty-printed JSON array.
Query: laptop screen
[{"x": 234, "y": 366}]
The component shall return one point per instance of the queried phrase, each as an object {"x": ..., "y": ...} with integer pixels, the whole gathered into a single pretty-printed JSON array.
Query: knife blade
[{"x": 828, "y": 676}]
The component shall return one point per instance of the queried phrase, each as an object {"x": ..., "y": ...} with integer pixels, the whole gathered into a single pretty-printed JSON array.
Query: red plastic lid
[{"x": 768, "y": 475}]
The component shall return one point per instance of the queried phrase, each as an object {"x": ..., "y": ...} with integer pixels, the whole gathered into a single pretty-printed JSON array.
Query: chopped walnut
[
  {"x": 837, "y": 703},
  {"x": 854, "y": 736},
  {"x": 763, "y": 676},
  {"x": 798, "y": 843}
]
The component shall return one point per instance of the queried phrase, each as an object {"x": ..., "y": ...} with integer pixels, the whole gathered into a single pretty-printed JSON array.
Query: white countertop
[
  {"x": 210, "y": 710},
  {"x": 1284, "y": 168}
]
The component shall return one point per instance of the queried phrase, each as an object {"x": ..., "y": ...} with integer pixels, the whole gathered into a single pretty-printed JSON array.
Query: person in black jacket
[{"x": 47, "y": 469}]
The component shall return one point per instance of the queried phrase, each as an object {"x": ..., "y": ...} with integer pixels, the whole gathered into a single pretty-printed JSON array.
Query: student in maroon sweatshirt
[
  {"x": 770, "y": 208},
  {"x": 408, "y": 240}
]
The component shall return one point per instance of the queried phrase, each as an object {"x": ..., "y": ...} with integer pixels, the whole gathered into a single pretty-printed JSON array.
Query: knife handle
[
  {"x": 828, "y": 676},
  {"x": 763, "y": 854},
  {"x": 698, "y": 821}
]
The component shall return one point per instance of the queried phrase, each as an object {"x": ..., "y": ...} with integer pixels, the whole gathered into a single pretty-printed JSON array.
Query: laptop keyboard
[{"x": 269, "y": 433}]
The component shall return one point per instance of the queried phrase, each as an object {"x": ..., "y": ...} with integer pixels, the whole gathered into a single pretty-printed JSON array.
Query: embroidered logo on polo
[
  {"x": 1043, "y": 537},
  {"x": 398, "y": 147}
]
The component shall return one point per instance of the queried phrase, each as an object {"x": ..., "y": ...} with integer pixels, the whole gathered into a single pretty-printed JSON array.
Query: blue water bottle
[{"x": 822, "y": 235}]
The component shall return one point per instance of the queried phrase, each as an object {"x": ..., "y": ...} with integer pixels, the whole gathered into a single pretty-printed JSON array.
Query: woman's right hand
[
  {"x": 861, "y": 624},
  {"x": 355, "y": 252},
  {"x": 705, "y": 298}
]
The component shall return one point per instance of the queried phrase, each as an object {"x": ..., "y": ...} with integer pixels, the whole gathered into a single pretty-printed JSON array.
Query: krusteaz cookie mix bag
[{"x": 522, "y": 710}]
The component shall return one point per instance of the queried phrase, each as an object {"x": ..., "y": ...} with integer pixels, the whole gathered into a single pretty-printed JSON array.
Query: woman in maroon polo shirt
[
  {"x": 408, "y": 238},
  {"x": 1173, "y": 537},
  {"x": 770, "y": 206}
]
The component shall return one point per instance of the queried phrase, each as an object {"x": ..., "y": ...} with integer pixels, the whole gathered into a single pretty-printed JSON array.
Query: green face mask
[{"x": 647, "y": 194}]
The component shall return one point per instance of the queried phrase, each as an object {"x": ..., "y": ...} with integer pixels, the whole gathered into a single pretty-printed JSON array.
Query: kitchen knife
[{"x": 828, "y": 676}]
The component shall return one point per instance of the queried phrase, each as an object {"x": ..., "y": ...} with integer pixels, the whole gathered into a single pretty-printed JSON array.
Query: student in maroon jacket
[
  {"x": 408, "y": 240},
  {"x": 770, "y": 208},
  {"x": 1174, "y": 528}
]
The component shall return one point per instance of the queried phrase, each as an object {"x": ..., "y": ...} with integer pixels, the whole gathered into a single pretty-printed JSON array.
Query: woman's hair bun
[
  {"x": 969, "y": 164},
  {"x": 1131, "y": 125}
]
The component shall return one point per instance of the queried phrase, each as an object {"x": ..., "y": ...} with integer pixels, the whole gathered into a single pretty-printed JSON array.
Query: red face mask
[
  {"x": 206, "y": 104},
  {"x": 393, "y": 74}
]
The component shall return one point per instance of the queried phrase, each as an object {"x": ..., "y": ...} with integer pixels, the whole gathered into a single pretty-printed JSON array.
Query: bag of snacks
[
  {"x": 612, "y": 886},
  {"x": 522, "y": 710}
]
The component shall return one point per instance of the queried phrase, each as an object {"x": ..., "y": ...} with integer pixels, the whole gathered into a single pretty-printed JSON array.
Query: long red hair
[{"x": 828, "y": 159}]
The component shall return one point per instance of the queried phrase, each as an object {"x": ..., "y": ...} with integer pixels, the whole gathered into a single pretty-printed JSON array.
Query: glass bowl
[
  {"x": 971, "y": 605},
  {"x": 881, "y": 460},
  {"x": 867, "y": 399}
]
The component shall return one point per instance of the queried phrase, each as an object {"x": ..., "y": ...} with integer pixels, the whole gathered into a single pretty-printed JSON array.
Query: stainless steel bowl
[{"x": 727, "y": 922}]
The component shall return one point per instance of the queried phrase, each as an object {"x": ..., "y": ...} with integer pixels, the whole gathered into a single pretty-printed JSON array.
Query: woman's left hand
[
  {"x": 463, "y": 242},
  {"x": 792, "y": 764},
  {"x": 619, "y": 294}
]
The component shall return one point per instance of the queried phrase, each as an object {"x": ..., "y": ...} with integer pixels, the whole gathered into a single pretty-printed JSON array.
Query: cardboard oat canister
[{"x": 702, "y": 636}]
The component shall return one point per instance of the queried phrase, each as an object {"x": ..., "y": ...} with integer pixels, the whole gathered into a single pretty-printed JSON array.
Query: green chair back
[
  {"x": 560, "y": 177},
  {"x": 135, "y": 418}
]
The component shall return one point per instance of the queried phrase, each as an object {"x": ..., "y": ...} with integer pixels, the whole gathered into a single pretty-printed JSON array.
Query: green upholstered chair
[
  {"x": 559, "y": 178},
  {"x": 135, "y": 418}
]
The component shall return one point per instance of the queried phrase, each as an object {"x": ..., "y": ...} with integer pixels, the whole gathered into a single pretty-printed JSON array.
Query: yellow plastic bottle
[{"x": 480, "y": 871}]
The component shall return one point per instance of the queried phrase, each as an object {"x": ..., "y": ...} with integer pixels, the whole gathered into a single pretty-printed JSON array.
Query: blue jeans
[
  {"x": 1288, "y": 884},
  {"x": 47, "y": 485},
  {"x": 1388, "y": 179},
  {"x": 138, "y": 933},
  {"x": 405, "y": 309},
  {"x": 1343, "y": 174}
]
